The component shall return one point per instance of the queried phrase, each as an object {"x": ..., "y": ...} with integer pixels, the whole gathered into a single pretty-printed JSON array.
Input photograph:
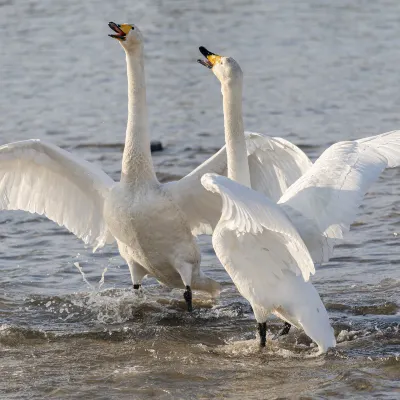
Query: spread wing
[
  {"x": 254, "y": 236},
  {"x": 275, "y": 164},
  {"x": 324, "y": 202},
  {"x": 41, "y": 178}
]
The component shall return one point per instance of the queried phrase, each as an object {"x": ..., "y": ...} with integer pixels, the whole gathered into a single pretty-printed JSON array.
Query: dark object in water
[{"x": 156, "y": 146}]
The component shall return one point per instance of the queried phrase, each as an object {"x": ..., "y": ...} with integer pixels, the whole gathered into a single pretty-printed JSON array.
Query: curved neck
[
  {"x": 137, "y": 165},
  {"x": 236, "y": 151}
]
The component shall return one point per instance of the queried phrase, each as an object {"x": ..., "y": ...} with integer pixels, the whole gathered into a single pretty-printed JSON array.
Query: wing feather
[
  {"x": 257, "y": 226},
  {"x": 274, "y": 165},
  {"x": 41, "y": 178},
  {"x": 329, "y": 194}
]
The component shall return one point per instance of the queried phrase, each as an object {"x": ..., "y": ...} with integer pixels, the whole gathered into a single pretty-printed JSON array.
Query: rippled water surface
[{"x": 315, "y": 73}]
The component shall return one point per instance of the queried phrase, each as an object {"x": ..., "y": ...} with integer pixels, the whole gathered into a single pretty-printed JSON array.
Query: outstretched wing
[
  {"x": 41, "y": 178},
  {"x": 274, "y": 165},
  {"x": 255, "y": 229},
  {"x": 324, "y": 202}
]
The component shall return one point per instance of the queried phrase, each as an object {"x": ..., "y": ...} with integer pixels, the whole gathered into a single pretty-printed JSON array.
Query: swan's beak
[
  {"x": 212, "y": 58},
  {"x": 120, "y": 30}
]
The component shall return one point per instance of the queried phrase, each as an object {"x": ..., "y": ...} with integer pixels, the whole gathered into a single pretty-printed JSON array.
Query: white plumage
[
  {"x": 273, "y": 163},
  {"x": 152, "y": 223},
  {"x": 42, "y": 178},
  {"x": 255, "y": 219},
  {"x": 254, "y": 239},
  {"x": 268, "y": 249},
  {"x": 324, "y": 201},
  {"x": 267, "y": 260}
]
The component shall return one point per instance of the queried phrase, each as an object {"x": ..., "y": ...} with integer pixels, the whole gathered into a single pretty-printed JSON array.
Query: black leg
[
  {"x": 136, "y": 286},
  {"x": 188, "y": 298},
  {"x": 262, "y": 331},
  {"x": 284, "y": 331}
]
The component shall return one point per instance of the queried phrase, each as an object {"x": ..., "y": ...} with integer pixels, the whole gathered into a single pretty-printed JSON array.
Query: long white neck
[
  {"x": 137, "y": 165},
  {"x": 238, "y": 166}
]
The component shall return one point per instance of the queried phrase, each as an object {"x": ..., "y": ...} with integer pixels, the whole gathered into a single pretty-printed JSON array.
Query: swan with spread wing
[
  {"x": 152, "y": 223},
  {"x": 253, "y": 240}
]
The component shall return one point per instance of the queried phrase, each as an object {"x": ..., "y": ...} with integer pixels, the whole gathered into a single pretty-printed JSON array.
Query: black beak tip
[
  {"x": 204, "y": 51},
  {"x": 113, "y": 25}
]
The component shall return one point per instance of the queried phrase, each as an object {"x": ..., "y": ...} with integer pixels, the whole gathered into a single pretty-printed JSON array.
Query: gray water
[{"x": 316, "y": 73}]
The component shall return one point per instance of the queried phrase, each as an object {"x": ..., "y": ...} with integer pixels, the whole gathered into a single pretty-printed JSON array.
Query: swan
[
  {"x": 323, "y": 202},
  {"x": 255, "y": 241},
  {"x": 152, "y": 223}
]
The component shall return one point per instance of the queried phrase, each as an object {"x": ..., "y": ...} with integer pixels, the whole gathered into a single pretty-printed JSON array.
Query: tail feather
[{"x": 304, "y": 309}]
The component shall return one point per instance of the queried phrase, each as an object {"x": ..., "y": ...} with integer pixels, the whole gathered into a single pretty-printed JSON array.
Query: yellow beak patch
[
  {"x": 214, "y": 59},
  {"x": 125, "y": 28}
]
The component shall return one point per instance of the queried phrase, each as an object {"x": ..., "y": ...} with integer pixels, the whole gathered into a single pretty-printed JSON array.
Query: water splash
[
  {"x": 101, "y": 281},
  {"x": 83, "y": 275}
]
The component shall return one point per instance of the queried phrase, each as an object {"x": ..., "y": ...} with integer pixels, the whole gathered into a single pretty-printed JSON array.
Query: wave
[{"x": 386, "y": 308}]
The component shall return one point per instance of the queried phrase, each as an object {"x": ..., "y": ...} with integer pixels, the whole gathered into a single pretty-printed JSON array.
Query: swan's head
[
  {"x": 128, "y": 35},
  {"x": 226, "y": 69}
]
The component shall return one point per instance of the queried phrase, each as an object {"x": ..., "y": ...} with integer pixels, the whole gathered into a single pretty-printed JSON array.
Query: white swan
[
  {"x": 255, "y": 241},
  {"x": 324, "y": 201},
  {"x": 148, "y": 220}
]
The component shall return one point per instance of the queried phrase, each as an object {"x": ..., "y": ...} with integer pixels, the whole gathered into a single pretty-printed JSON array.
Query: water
[{"x": 315, "y": 73}]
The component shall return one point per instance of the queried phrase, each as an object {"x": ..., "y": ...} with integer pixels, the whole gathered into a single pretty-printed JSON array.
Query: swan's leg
[
  {"x": 284, "y": 331},
  {"x": 187, "y": 295},
  {"x": 137, "y": 274},
  {"x": 262, "y": 331},
  {"x": 185, "y": 271}
]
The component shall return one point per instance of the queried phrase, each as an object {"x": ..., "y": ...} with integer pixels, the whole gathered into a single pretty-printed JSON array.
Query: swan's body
[
  {"x": 267, "y": 260},
  {"x": 255, "y": 241},
  {"x": 152, "y": 223},
  {"x": 159, "y": 236}
]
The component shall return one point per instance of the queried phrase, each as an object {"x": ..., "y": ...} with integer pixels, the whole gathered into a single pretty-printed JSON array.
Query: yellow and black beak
[
  {"x": 120, "y": 30},
  {"x": 211, "y": 58}
]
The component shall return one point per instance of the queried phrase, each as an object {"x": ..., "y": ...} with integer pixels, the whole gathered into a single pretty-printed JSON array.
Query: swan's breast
[{"x": 150, "y": 223}]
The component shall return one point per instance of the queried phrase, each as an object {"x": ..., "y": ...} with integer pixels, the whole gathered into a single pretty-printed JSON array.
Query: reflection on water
[{"x": 315, "y": 73}]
